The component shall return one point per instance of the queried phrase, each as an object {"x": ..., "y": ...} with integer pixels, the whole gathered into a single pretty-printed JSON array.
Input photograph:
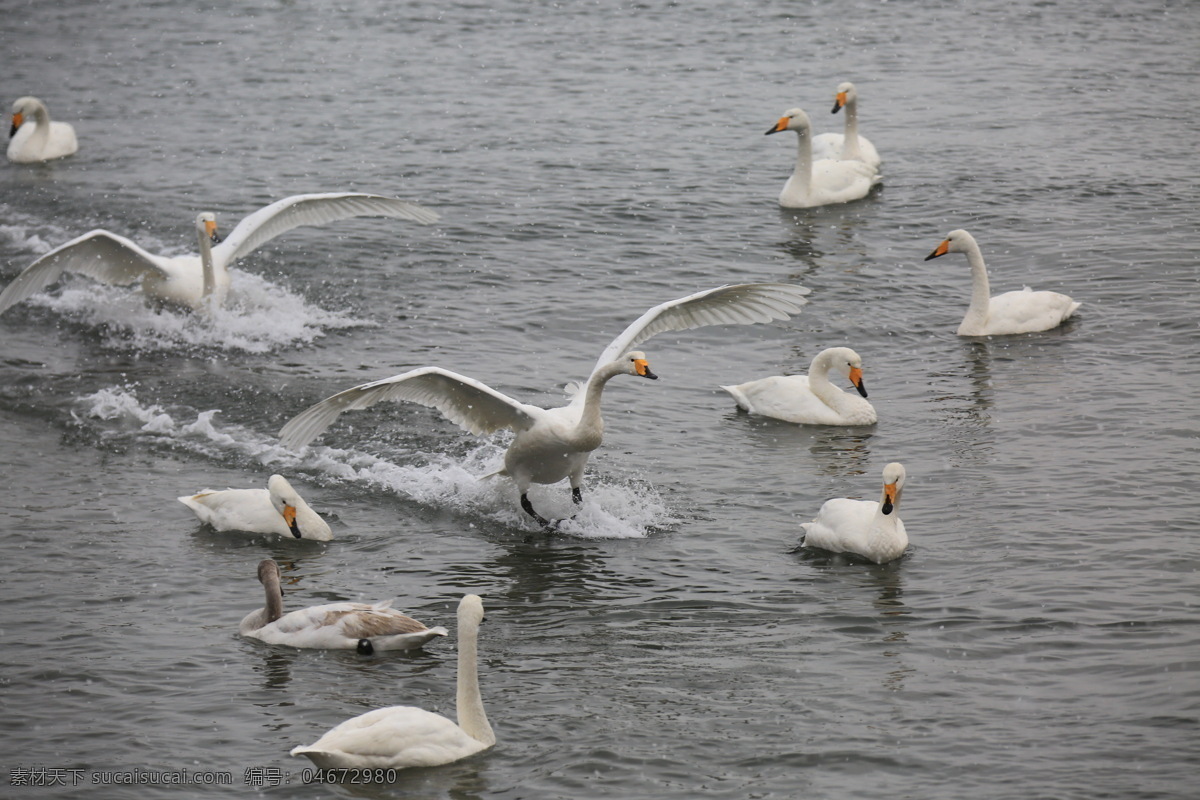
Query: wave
[{"x": 612, "y": 508}]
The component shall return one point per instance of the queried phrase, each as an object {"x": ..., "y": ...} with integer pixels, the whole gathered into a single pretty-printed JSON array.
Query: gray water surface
[{"x": 1039, "y": 639}]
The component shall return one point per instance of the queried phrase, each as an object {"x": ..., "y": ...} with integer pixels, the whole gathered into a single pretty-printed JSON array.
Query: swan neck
[
  {"x": 595, "y": 389},
  {"x": 468, "y": 702},
  {"x": 850, "y": 148},
  {"x": 820, "y": 385},
  {"x": 980, "y": 291},
  {"x": 802, "y": 174},
  {"x": 206, "y": 262},
  {"x": 274, "y": 607}
]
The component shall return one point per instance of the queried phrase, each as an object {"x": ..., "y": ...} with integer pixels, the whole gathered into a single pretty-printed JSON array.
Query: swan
[
  {"x": 276, "y": 509},
  {"x": 867, "y": 528},
  {"x": 552, "y": 444},
  {"x": 332, "y": 626},
  {"x": 848, "y": 146},
  {"x": 1025, "y": 311},
  {"x": 824, "y": 182},
  {"x": 190, "y": 281},
  {"x": 405, "y": 736},
  {"x": 41, "y": 139},
  {"x": 810, "y": 399}
]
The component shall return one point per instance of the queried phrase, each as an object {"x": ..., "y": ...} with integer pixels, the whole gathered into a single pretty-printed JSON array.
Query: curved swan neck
[
  {"x": 595, "y": 389},
  {"x": 820, "y": 385},
  {"x": 468, "y": 701},
  {"x": 980, "y": 291}
]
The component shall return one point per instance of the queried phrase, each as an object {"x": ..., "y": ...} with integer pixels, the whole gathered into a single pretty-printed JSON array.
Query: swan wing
[
  {"x": 98, "y": 254},
  {"x": 735, "y": 304},
  {"x": 468, "y": 403},
  {"x": 311, "y": 209}
]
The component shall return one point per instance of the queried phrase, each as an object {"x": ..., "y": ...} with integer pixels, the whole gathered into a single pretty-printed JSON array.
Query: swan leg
[
  {"x": 577, "y": 495},
  {"x": 528, "y": 506}
]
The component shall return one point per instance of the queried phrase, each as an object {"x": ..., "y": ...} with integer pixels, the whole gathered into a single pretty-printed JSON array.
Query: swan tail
[{"x": 738, "y": 397}]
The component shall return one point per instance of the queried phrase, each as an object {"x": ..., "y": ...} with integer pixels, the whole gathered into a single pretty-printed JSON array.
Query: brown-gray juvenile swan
[{"x": 365, "y": 628}]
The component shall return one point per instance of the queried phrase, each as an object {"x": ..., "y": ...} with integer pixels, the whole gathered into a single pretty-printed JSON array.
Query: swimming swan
[
  {"x": 1025, "y": 311},
  {"x": 867, "y": 528},
  {"x": 824, "y": 182},
  {"x": 41, "y": 139},
  {"x": 552, "y": 444},
  {"x": 276, "y": 509},
  {"x": 848, "y": 146},
  {"x": 332, "y": 626},
  {"x": 406, "y": 736},
  {"x": 810, "y": 399},
  {"x": 190, "y": 280}
]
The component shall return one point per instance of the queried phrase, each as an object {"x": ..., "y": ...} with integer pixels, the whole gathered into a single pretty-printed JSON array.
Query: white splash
[
  {"x": 611, "y": 509},
  {"x": 258, "y": 317}
]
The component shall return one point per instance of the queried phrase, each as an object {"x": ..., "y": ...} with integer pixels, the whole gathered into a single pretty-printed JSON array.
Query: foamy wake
[{"x": 611, "y": 509}]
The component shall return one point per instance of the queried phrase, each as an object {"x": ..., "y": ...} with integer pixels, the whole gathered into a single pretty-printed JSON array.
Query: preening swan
[
  {"x": 1025, "y": 311},
  {"x": 34, "y": 137},
  {"x": 552, "y": 444},
  {"x": 332, "y": 626},
  {"x": 824, "y": 182},
  {"x": 190, "y": 281},
  {"x": 810, "y": 399},
  {"x": 867, "y": 528},
  {"x": 276, "y": 509},
  {"x": 848, "y": 146},
  {"x": 406, "y": 736}
]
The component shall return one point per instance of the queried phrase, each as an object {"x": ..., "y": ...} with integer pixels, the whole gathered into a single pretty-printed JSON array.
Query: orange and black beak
[
  {"x": 210, "y": 227},
  {"x": 838, "y": 101},
  {"x": 778, "y": 126},
  {"x": 940, "y": 250},
  {"x": 889, "y": 497},
  {"x": 17, "y": 119},
  {"x": 857, "y": 379},
  {"x": 289, "y": 516},
  {"x": 643, "y": 368}
]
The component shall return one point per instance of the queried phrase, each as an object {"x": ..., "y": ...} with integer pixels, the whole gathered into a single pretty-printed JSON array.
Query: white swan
[
  {"x": 406, "y": 736},
  {"x": 276, "y": 509},
  {"x": 824, "y": 182},
  {"x": 552, "y": 444},
  {"x": 33, "y": 137},
  {"x": 190, "y": 280},
  {"x": 810, "y": 399},
  {"x": 332, "y": 626},
  {"x": 848, "y": 146},
  {"x": 867, "y": 528},
  {"x": 1025, "y": 311}
]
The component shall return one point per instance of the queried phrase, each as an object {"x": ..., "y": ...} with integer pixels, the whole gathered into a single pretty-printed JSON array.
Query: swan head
[
  {"x": 893, "y": 484},
  {"x": 21, "y": 108},
  {"x": 636, "y": 364},
  {"x": 849, "y": 363},
  {"x": 844, "y": 95},
  {"x": 794, "y": 119},
  {"x": 958, "y": 241},
  {"x": 470, "y": 610},
  {"x": 285, "y": 500},
  {"x": 206, "y": 225},
  {"x": 268, "y": 572}
]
